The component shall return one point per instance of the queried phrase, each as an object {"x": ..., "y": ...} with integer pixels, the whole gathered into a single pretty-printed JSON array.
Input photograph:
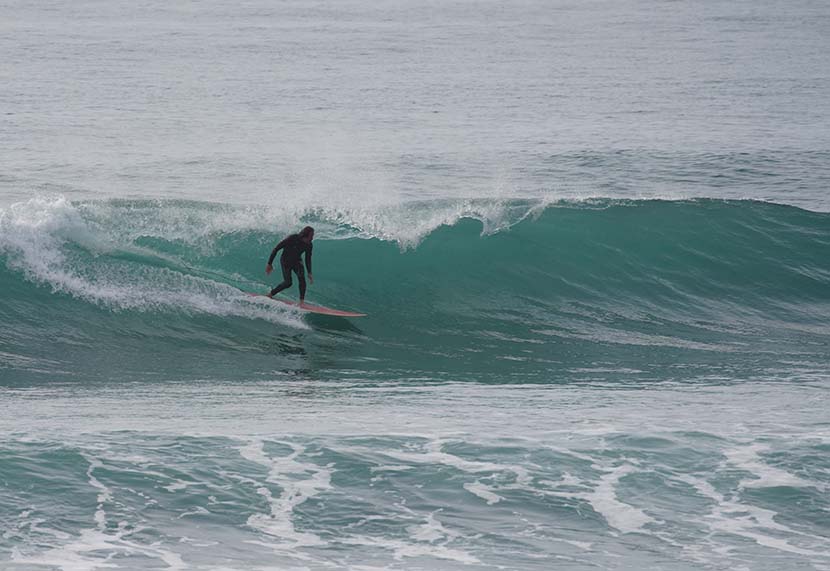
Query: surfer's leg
[
  {"x": 300, "y": 271},
  {"x": 286, "y": 281}
]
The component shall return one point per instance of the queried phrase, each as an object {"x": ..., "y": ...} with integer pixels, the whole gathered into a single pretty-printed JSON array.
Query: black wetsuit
[{"x": 292, "y": 248}]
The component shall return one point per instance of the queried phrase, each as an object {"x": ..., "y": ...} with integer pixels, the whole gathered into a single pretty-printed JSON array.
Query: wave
[{"x": 446, "y": 277}]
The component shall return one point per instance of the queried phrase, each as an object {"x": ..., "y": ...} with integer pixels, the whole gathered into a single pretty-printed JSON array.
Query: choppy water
[{"x": 593, "y": 242}]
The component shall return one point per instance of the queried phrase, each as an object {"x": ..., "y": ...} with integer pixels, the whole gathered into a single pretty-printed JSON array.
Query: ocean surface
[{"x": 592, "y": 240}]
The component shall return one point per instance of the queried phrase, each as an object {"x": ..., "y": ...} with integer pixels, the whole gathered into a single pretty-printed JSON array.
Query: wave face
[{"x": 514, "y": 291}]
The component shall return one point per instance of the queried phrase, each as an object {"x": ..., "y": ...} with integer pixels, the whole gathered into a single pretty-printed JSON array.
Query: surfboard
[{"x": 310, "y": 307}]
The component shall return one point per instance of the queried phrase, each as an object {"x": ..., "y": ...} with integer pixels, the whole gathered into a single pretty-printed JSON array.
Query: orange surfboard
[{"x": 312, "y": 308}]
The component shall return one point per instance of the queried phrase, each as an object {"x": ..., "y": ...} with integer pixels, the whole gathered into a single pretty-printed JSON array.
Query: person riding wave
[{"x": 293, "y": 247}]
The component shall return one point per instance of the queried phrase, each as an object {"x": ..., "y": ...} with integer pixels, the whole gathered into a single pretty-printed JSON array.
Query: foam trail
[
  {"x": 619, "y": 515},
  {"x": 104, "y": 494},
  {"x": 734, "y": 517},
  {"x": 96, "y": 548},
  {"x": 290, "y": 474},
  {"x": 764, "y": 476}
]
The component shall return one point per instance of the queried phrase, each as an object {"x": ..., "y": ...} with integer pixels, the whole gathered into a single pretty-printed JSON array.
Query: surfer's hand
[
  {"x": 268, "y": 269},
  {"x": 310, "y": 278}
]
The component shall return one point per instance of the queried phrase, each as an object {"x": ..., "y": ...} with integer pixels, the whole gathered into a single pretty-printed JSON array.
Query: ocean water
[{"x": 592, "y": 240}]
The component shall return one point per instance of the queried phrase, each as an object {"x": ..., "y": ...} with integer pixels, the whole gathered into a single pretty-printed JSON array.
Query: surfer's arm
[
  {"x": 276, "y": 249},
  {"x": 308, "y": 263}
]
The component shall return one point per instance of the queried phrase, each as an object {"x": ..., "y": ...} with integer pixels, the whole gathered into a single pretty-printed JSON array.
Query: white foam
[
  {"x": 483, "y": 491},
  {"x": 103, "y": 226},
  {"x": 299, "y": 482},
  {"x": 35, "y": 526},
  {"x": 567, "y": 479},
  {"x": 580, "y": 544},
  {"x": 431, "y": 530},
  {"x": 604, "y": 501},
  {"x": 94, "y": 548},
  {"x": 85, "y": 552},
  {"x": 390, "y": 468},
  {"x": 402, "y": 549},
  {"x": 619, "y": 515},
  {"x": 745, "y": 520},
  {"x": 178, "y": 485},
  {"x": 104, "y": 493},
  {"x": 434, "y": 454},
  {"x": 199, "y": 510},
  {"x": 431, "y": 539},
  {"x": 764, "y": 476}
]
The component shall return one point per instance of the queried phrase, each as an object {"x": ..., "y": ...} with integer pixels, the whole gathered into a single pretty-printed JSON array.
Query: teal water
[{"x": 591, "y": 238}]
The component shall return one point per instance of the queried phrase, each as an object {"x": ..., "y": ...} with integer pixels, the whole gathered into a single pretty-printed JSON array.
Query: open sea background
[{"x": 592, "y": 238}]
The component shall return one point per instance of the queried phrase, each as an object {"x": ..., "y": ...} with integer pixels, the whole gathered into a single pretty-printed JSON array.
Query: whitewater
[{"x": 592, "y": 241}]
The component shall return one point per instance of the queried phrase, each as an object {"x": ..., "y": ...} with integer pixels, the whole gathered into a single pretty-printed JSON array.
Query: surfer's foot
[
  {"x": 269, "y": 295},
  {"x": 302, "y": 303}
]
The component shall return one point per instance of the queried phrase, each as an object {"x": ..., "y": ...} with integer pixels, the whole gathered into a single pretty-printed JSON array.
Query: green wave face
[{"x": 509, "y": 292}]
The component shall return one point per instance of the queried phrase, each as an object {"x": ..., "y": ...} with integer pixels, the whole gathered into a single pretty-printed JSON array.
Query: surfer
[{"x": 293, "y": 247}]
